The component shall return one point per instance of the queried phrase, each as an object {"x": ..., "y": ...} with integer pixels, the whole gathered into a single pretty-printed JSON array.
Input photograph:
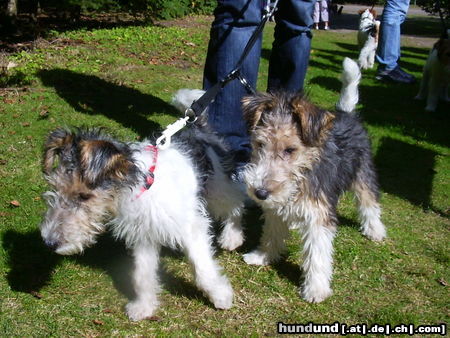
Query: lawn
[{"x": 123, "y": 79}]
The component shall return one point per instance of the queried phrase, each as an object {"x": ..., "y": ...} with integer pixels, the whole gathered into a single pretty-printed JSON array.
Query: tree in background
[{"x": 434, "y": 6}]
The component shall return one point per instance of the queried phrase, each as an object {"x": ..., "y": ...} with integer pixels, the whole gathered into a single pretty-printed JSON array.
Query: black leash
[{"x": 203, "y": 102}]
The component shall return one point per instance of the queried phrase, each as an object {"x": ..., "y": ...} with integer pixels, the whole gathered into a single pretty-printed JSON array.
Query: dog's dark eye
[
  {"x": 289, "y": 150},
  {"x": 83, "y": 196}
]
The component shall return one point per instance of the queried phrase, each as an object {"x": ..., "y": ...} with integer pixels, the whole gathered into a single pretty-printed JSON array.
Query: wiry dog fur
[
  {"x": 97, "y": 184},
  {"x": 436, "y": 75},
  {"x": 303, "y": 159},
  {"x": 368, "y": 32}
]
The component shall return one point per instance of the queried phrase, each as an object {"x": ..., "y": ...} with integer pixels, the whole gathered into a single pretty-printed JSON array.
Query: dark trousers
[{"x": 235, "y": 21}]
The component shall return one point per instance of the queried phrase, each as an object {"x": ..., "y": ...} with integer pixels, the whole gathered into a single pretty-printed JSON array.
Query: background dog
[
  {"x": 149, "y": 197},
  {"x": 303, "y": 159},
  {"x": 436, "y": 75},
  {"x": 368, "y": 32}
]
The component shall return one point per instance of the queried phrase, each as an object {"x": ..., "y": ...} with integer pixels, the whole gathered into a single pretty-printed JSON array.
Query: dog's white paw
[
  {"x": 430, "y": 108},
  {"x": 231, "y": 238},
  {"x": 223, "y": 298},
  {"x": 256, "y": 257},
  {"x": 375, "y": 232},
  {"x": 222, "y": 294},
  {"x": 315, "y": 293},
  {"x": 139, "y": 310}
]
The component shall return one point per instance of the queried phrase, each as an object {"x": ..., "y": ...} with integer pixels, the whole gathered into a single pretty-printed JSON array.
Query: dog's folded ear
[
  {"x": 103, "y": 160},
  {"x": 254, "y": 106},
  {"x": 314, "y": 122},
  {"x": 57, "y": 141}
]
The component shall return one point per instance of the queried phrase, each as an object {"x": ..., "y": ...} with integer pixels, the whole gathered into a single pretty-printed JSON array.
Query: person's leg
[
  {"x": 235, "y": 21},
  {"x": 388, "y": 54},
  {"x": 291, "y": 48},
  {"x": 324, "y": 13},
  {"x": 316, "y": 15}
]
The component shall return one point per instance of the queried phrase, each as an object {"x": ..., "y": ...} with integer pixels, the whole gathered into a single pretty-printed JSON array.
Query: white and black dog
[
  {"x": 303, "y": 159},
  {"x": 436, "y": 75},
  {"x": 368, "y": 32},
  {"x": 148, "y": 197}
]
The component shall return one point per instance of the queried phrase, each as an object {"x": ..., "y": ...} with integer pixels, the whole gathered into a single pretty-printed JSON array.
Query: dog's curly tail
[
  {"x": 351, "y": 75},
  {"x": 184, "y": 98}
]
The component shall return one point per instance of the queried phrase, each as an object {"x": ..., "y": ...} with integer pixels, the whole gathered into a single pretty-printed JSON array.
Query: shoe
[
  {"x": 395, "y": 75},
  {"x": 326, "y": 28}
]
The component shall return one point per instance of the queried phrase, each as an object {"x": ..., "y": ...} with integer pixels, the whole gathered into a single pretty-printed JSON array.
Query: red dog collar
[{"x": 150, "y": 177}]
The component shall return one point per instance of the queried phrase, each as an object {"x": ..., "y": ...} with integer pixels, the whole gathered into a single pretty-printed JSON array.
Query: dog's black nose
[
  {"x": 51, "y": 244},
  {"x": 262, "y": 194}
]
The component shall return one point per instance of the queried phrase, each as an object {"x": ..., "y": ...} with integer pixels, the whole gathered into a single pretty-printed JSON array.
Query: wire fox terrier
[
  {"x": 149, "y": 197},
  {"x": 303, "y": 159},
  {"x": 368, "y": 32}
]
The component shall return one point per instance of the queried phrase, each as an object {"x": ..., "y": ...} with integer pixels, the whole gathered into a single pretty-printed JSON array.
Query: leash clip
[{"x": 165, "y": 139}]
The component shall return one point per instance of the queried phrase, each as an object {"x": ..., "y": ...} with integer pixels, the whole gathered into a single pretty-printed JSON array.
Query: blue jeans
[
  {"x": 388, "y": 53},
  {"x": 235, "y": 21}
]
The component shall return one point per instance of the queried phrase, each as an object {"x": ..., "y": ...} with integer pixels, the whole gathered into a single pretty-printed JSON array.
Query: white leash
[{"x": 165, "y": 139}]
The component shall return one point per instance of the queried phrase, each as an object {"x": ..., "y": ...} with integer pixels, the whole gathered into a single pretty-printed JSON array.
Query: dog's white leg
[
  {"x": 317, "y": 237},
  {"x": 145, "y": 280},
  {"x": 433, "y": 92},
  {"x": 363, "y": 57},
  {"x": 371, "y": 58},
  {"x": 232, "y": 235},
  {"x": 225, "y": 201},
  {"x": 369, "y": 208},
  {"x": 272, "y": 244},
  {"x": 207, "y": 272},
  {"x": 422, "y": 94}
]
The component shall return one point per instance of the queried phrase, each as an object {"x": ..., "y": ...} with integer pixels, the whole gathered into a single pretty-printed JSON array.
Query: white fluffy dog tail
[
  {"x": 351, "y": 75},
  {"x": 184, "y": 98}
]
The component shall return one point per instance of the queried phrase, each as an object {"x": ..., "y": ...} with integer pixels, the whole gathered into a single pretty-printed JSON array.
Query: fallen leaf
[
  {"x": 98, "y": 322},
  {"x": 43, "y": 113},
  {"x": 26, "y": 124},
  {"x": 154, "y": 318},
  {"x": 107, "y": 311},
  {"x": 11, "y": 65},
  {"x": 442, "y": 281},
  {"x": 36, "y": 294},
  {"x": 15, "y": 203}
]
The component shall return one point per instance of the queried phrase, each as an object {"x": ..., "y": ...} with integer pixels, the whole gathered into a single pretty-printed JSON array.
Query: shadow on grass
[
  {"x": 31, "y": 265},
  {"x": 407, "y": 171},
  {"x": 91, "y": 95},
  {"x": 393, "y": 106},
  {"x": 26, "y": 30},
  {"x": 345, "y": 21}
]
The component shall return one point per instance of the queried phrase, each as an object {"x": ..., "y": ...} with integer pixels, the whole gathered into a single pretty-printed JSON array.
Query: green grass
[{"x": 123, "y": 79}]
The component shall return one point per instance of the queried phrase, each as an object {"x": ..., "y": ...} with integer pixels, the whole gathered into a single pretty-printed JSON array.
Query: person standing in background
[
  {"x": 321, "y": 14},
  {"x": 234, "y": 23},
  {"x": 388, "y": 52}
]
